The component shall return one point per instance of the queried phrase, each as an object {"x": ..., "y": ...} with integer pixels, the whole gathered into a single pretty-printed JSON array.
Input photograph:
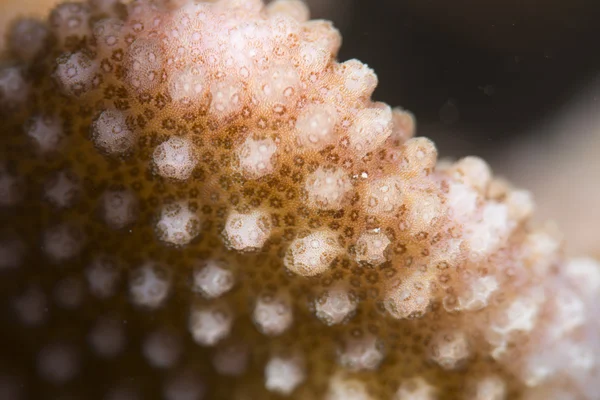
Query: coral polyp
[{"x": 200, "y": 201}]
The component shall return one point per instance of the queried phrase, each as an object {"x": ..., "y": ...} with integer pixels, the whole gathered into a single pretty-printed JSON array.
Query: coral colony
[{"x": 199, "y": 202}]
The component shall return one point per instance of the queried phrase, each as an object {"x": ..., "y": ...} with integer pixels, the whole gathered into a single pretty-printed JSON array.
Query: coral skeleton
[{"x": 199, "y": 201}]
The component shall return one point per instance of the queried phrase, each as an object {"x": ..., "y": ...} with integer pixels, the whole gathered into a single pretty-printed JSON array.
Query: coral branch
[{"x": 273, "y": 230}]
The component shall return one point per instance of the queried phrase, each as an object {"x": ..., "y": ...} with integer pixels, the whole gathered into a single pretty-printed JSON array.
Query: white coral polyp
[
  {"x": 371, "y": 128},
  {"x": 312, "y": 255},
  {"x": 485, "y": 235},
  {"x": 177, "y": 224},
  {"x": 62, "y": 242},
  {"x": 27, "y": 38},
  {"x": 415, "y": 388},
  {"x": 520, "y": 205},
  {"x": 69, "y": 293},
  {"x": 296, "y": 9},
  {"x": 62, "y": 189},
  {"x": 519, "y": 315},
  {"x": 313, "y": 57},
  {"x": 185, "y": 385},
  {"x": 358, "y": 80},
  {"x": 362, "y": 352},
  {"x": 541, "y": 249},
  {"x": 102, "y": 275},
  {"x": 484, "y": 227},
  {"x": 46, "y": 132},
  {"x": 327, "y": 188},
  {"x": 70, "y": 21},
  {"x": 284, "y": 374},
  {"x": 227, "y": 97},
  {"x": 419, "y": 156},
  {"x": 188, "y": 86},
  {"x": 315, "y": 127},
  {"x": 335, "y": 306},
  {"x": 404, "y": 126},
  {"x": 569, "y": 312},
  {"x": 162, "y": 349},
  {"x": 213, "y": 280},
  {"x": 144, "y": 64},
  {"x": 108, "y": 34},
  {"x": 247, "y": 232},
  {"x": 450, "y": 349},
  {"x": 209, "y": 325},
  {"x": 111, "y": 134},
  {"x": 408, "y": 297},
  {"x": 58, "y": 363},
  {"x": 14, "y": 89},
  {"x": 344, "y": 388},
  {"x": 76, "y": 73},
  {"x": 175, "y": 158},
  {"x": 119, "y": 208},
  {"x": 107, "y": 337},
  {"x": 488, "y": 387},
  {"x": 256, "y": 157},
  {"x": 384, "y": 196},
  {"x": 462, "y": 201},
  {"x": 583, "y": 273},
  {"x": 31, "y": 306},
  {"x": 273, "y": 313},
  {"x": 425, "y": 209},
  {"x": 278, "y": 85},
  {"x": 323, "y": 34},
  {"x": 371, "y": 248},
  {"x": 477, "y": 294},
  {"x": 239, "y": 7},
  {"x": 149, "y": 285},
  {"x": 472, "y": 171}
]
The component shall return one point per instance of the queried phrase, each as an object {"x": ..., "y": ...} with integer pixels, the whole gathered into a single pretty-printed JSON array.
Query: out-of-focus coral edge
[{"x": 10, "y": 9}]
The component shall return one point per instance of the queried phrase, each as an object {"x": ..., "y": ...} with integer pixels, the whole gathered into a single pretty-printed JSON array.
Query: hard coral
[{"x": 208, "y": 174}]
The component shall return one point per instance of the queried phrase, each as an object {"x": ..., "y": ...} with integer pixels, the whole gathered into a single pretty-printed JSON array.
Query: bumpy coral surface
[{"x": 199, "y": 201}]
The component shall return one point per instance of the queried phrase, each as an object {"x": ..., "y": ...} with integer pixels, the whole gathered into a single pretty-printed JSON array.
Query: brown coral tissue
[{"x": 198, "y": 201}]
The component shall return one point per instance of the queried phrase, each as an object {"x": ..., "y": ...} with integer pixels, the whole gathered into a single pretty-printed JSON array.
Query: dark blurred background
[{"x": 476, "y": 74}]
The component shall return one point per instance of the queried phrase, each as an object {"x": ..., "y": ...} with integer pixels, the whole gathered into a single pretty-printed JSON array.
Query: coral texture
[{"x": 199, "y": 201}]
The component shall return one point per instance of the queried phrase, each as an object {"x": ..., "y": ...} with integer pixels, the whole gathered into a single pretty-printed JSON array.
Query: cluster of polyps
[{"x": 243, "y": 175}]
